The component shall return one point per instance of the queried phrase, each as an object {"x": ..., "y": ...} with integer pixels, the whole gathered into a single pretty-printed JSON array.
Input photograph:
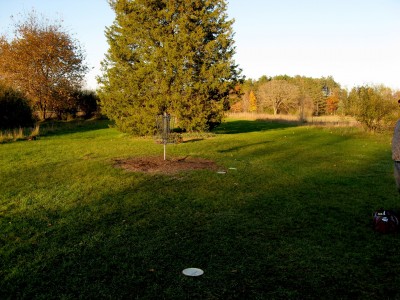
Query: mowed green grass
[{"x": 291, "y": 220}]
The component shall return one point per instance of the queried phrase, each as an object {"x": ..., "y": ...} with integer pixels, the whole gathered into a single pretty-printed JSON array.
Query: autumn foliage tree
[
  {"x": 44, "y": 62},
  {"x": 168, "y": 56},
  {"x": 252, "y": 102},
  {"x": 332, "y": 103}
]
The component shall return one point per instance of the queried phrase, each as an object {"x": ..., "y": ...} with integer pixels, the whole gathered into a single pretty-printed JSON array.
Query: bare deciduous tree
[{"x": 279, "y": 94}]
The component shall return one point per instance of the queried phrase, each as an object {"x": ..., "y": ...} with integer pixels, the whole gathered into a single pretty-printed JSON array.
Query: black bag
[{"x": 385, "y": 221}]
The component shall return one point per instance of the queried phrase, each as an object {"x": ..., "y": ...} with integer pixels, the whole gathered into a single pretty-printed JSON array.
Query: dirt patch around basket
[{"x": 158, "y": 165}]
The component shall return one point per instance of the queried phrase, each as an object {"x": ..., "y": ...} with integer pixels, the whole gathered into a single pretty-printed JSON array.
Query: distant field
[
  {"x": 310, "y": 120},
  {"x": 290, "y": 218}
]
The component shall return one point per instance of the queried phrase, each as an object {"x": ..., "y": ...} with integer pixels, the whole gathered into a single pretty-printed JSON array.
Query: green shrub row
[{"x": 14, "y": 110}]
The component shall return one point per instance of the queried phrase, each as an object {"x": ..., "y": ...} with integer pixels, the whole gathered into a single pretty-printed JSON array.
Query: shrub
[
  {"x": 87, "y": 102},
  {"x": 373, "y": 106},
  {"x": 15, "y": 111}
]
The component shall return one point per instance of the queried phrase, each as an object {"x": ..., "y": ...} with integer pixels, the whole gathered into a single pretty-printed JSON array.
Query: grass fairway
[{"x": 292, "y": 220}]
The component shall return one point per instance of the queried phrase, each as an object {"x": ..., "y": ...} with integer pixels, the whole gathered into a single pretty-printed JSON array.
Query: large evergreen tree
[{"x": 171, "y": 56}]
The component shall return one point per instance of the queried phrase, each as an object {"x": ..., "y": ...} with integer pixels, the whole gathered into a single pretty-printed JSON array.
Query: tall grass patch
[{"x": 16, "y": 134}]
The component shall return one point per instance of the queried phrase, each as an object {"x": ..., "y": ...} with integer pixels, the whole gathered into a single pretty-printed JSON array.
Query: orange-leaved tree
[
  {"x": 43, "y": 62},
  {"x": 332, "y": 103}
]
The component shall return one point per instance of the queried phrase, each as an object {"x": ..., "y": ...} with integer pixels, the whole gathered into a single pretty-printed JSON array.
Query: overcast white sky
[{"x": 355, "y": 41}]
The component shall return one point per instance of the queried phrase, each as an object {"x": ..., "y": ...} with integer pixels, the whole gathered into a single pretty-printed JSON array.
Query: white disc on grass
[{"x": 193, "y": 272}]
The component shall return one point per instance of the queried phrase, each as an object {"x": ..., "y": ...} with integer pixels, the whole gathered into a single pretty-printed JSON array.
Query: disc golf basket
[{"x": 165, "y": 123}]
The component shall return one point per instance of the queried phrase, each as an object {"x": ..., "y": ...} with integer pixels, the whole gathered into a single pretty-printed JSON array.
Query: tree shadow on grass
[
  {"x": 245, "y": 126},
  {"x": 134, "y": 241},
  {"x": 192, "y": 140},
  {"x": 237, "y": 148},
  {"x": 58, "y": 128}
]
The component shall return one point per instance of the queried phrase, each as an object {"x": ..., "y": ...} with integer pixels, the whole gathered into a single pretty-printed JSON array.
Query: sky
[{"x": 357, "y": 42}]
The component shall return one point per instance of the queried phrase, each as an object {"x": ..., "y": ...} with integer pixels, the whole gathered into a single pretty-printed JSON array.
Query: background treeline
[
  {"x": 42, "y": 70},
  {"x": 373, "y": 106}
]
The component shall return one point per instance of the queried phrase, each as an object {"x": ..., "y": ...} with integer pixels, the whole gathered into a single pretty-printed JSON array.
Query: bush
[
  {"x": 373, "y": 106},
  {"x": 15, "y": 111},
  {"x": 87, "y": 102}
]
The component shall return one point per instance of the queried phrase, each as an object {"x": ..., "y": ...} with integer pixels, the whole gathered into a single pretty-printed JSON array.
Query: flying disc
[
  {"x": 193, "y": 272},
  {"x": 221, "y": 172}
]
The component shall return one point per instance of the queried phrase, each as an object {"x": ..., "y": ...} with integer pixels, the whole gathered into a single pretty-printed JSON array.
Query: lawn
[{"x": 290, "y": 218}]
